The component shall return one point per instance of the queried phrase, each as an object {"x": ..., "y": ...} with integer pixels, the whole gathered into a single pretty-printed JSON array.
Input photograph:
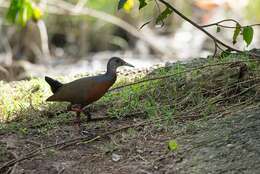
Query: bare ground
[
  {"x": 224, "y": 145},
  {"x": 219, "y": 138}
]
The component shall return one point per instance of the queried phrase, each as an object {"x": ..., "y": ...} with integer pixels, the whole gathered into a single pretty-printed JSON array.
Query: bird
[{"x": 84, "y": 91}]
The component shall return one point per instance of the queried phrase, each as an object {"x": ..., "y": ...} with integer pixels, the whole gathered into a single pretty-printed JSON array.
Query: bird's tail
[{"x": 54, "y": 84}]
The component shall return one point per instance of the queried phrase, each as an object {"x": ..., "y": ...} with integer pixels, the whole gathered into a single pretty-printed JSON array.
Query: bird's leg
[
  {"x": 78, "y": 109},
  {"x": 87, "y": 113}
]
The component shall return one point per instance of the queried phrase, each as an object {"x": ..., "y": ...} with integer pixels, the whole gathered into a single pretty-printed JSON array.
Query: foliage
[
  {"x": 163, "y": 15},
  {"x": 142, "y": 4},
  {"x": 236, "y": 33},
  {"x": 21, "y": 11},
  {"x": 246, "y": 31},
  {"x": 173, "y": 145}
]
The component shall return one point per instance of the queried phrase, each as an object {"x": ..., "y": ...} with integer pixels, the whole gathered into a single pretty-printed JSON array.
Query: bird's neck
[{"x": 111, "y": 73}]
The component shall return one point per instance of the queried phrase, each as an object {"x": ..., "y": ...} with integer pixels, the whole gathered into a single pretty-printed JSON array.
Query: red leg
[{"x": 78, "y": 109}]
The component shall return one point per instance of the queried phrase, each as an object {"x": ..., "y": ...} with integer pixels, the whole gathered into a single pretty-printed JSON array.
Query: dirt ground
[{"x": 223, "y": 145}]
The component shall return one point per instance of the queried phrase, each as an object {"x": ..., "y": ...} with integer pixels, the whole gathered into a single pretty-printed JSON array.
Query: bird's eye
[{"x": 117, "y": 61}]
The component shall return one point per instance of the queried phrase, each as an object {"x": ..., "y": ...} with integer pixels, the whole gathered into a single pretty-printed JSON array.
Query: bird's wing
[{"x": 74, "y": 91}]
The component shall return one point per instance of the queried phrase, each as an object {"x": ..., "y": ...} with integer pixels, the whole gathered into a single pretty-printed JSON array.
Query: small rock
[
  {"x": 116, "y": 157},
  {"x": 156, "y": 167},
  {"x": 229, "y": 145},
  {"x": 139, "y": 151}
]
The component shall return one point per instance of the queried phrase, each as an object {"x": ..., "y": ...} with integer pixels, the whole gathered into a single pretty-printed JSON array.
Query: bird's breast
[{"x": 97, "y": 91}]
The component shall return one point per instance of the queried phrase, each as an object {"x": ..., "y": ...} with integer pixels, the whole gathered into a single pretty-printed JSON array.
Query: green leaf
[
  {"x": 248, "y": 34},
  {"x": 218, "y": 29},
  {"x": 121, "y": 4},
  {"x": 142, "y": 4},
  {"x": 21, "y": 11},
  {"x": 172, "y": 145},
  {"x": 163, "y": 15},
  {"x": 13, "y": 9},
  {"x": 236, "y": 33}
]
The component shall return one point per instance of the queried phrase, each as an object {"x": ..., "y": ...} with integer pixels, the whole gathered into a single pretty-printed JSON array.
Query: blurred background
[{"x": 77, "y": 36}]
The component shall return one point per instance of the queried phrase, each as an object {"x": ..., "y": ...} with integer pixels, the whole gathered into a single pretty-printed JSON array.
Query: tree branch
[{"x": 226, "y": 26}]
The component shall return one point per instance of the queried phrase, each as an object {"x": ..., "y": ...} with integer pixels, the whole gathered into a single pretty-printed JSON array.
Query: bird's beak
[{"x": 128, "y": 64}]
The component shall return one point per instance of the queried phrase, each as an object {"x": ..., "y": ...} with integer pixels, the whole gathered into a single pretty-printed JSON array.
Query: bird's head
[{"x": 115, "y": 62}]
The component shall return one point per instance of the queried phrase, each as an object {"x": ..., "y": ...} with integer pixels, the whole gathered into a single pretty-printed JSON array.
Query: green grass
[{"x": 191, "y": 91}]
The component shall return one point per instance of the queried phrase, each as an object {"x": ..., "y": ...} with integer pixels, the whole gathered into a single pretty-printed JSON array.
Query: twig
[
  {"x": 33, "y": 143},
  {"x": 170, "y": 155},
  {"x": 225, "y": 26},
  {"x": 12, "y": 169},
  {"x": 238, "y": 83},
  {"x": 61, "y": 170},
  {"x": 236, "y": 95}
]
